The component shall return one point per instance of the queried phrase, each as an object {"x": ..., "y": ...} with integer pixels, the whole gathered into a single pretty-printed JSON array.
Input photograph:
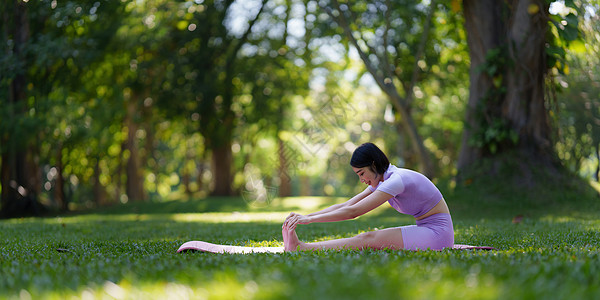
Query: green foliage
[
  {"x": 445, "y": 93},
  {"x": 492, "y": 130},
  {"x": 129, "y": 252},
  {"x": 410, "y": 48},
  {"x": 564, "y": 32},
  {"x": 61, "y": 41},
  {"x": 578, "y": 141},
  {"x": 493, "y": 135},
  {"x": 194, "y": 82},
  {"x": 578, "y": 109}
]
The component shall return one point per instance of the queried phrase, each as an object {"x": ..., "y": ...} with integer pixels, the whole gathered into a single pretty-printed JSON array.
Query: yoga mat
[{"x": 214, "y": 248}]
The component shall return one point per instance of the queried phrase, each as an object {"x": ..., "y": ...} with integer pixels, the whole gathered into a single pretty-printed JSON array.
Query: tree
[
  {"x": 46, "y": 45},
  {"x": 393, "y": 40},
  {"x": 512, "y": 52},
  {"x": 203, "y": 78},
  {"x": 227, "y": 77},
  {"x": 274, "y": 70},
  {"x": 18, "y": 170}
]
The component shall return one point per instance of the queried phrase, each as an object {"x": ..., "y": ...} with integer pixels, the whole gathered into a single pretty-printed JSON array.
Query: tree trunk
[
  {"x": 99, "y": 192},
  {"x": 18, "y": 191},
  {"x": 135, "y": 184},
  {"x": 525, "y": 103},
  {"x": 305, "y": 188},
  {"x": 514, "y": 96},
  {"x": 148, "y": 159},
  {"x": 201, "y": 167},
  {"x": 119, "y": 173},
  {"x": 220, "y": 136},
  {"x": 59, "y": 183},
  {"x": 598, "y": 165},
  {"x": 33, "y": 171},
  {"x": 185, "y": 181},
  {"x": 426, "y": 165},
  {"x": 285, "y": 182},
  {"x": 405, "y": 149},
  {"x": 186, "y": 176},
  {"x": 484, "y": 26},
  {"x": 221, "y": 169}
]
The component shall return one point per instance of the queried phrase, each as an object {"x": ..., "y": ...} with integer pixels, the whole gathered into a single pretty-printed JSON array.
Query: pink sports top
[{"x": 414, "y": 194}]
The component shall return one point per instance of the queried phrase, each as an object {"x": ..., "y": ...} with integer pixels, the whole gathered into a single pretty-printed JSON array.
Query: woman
[{"x": 407, "y": 191}]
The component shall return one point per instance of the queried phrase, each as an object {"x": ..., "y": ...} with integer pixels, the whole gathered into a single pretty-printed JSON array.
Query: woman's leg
[{"x": 386, "y": 238}]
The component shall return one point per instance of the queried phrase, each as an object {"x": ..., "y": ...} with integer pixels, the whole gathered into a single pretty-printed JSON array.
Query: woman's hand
[{"x": 294, "y": 219}]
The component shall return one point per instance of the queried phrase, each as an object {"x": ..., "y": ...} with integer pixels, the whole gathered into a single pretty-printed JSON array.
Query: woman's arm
[
  {"x": 359, "y": 208},
  {"x": 350, "y": 202},
  {"x": 334, "y": 207}
]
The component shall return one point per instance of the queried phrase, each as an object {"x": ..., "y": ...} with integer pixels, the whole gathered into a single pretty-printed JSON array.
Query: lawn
[{"x": 128, "y": 252}]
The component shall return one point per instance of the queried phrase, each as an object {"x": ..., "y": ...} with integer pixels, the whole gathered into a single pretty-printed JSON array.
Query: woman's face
[{"x": 366, "y": 175}]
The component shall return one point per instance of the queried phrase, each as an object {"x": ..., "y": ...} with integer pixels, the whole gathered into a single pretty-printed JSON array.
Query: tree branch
[
  {"x": 240, "y": 42},
  {"x": 420, "y": 53},
  {"x": 364, "y": 56},
  {"x": 381, "y": 57},
  {"x": 386, "y": 61}
]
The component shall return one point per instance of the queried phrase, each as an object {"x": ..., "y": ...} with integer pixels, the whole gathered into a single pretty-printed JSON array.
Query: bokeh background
[{"x": 109, "y": 102}]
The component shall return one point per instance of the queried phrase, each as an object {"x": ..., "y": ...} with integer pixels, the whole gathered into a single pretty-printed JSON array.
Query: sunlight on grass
[
  {"x": 224, "y": 285},
  {"x": 305, "y": 204},
  {"x": 473, "y": 285},
  {"x": 587, "y": 223},
  {"x": 418, "y": 282},
  {"x": 235, "y": 217},
  {"x": 213, "y": 217},
  {"x": 277, "y": 211}
]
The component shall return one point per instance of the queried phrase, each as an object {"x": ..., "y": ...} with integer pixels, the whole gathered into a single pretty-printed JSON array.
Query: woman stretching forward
[{"x": 409, "y": 192}]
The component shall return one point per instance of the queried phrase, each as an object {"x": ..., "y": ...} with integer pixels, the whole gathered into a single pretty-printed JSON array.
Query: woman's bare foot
[{"x": 290, "y": 240}]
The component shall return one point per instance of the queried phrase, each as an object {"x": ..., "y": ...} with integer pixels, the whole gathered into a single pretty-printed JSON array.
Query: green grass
[{"x": 128, "y": 252}]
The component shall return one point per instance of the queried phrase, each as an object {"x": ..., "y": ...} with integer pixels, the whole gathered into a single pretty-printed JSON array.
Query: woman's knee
[
  {"x": 367, "y": 236},
  {"x": 385, "y": 238}
]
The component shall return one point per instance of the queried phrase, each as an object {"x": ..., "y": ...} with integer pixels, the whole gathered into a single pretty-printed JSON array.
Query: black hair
[{"x": 369, "y": 155}]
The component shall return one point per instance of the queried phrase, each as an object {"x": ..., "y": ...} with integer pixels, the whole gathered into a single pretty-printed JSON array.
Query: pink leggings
[{"x": 434, "y": 232}]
